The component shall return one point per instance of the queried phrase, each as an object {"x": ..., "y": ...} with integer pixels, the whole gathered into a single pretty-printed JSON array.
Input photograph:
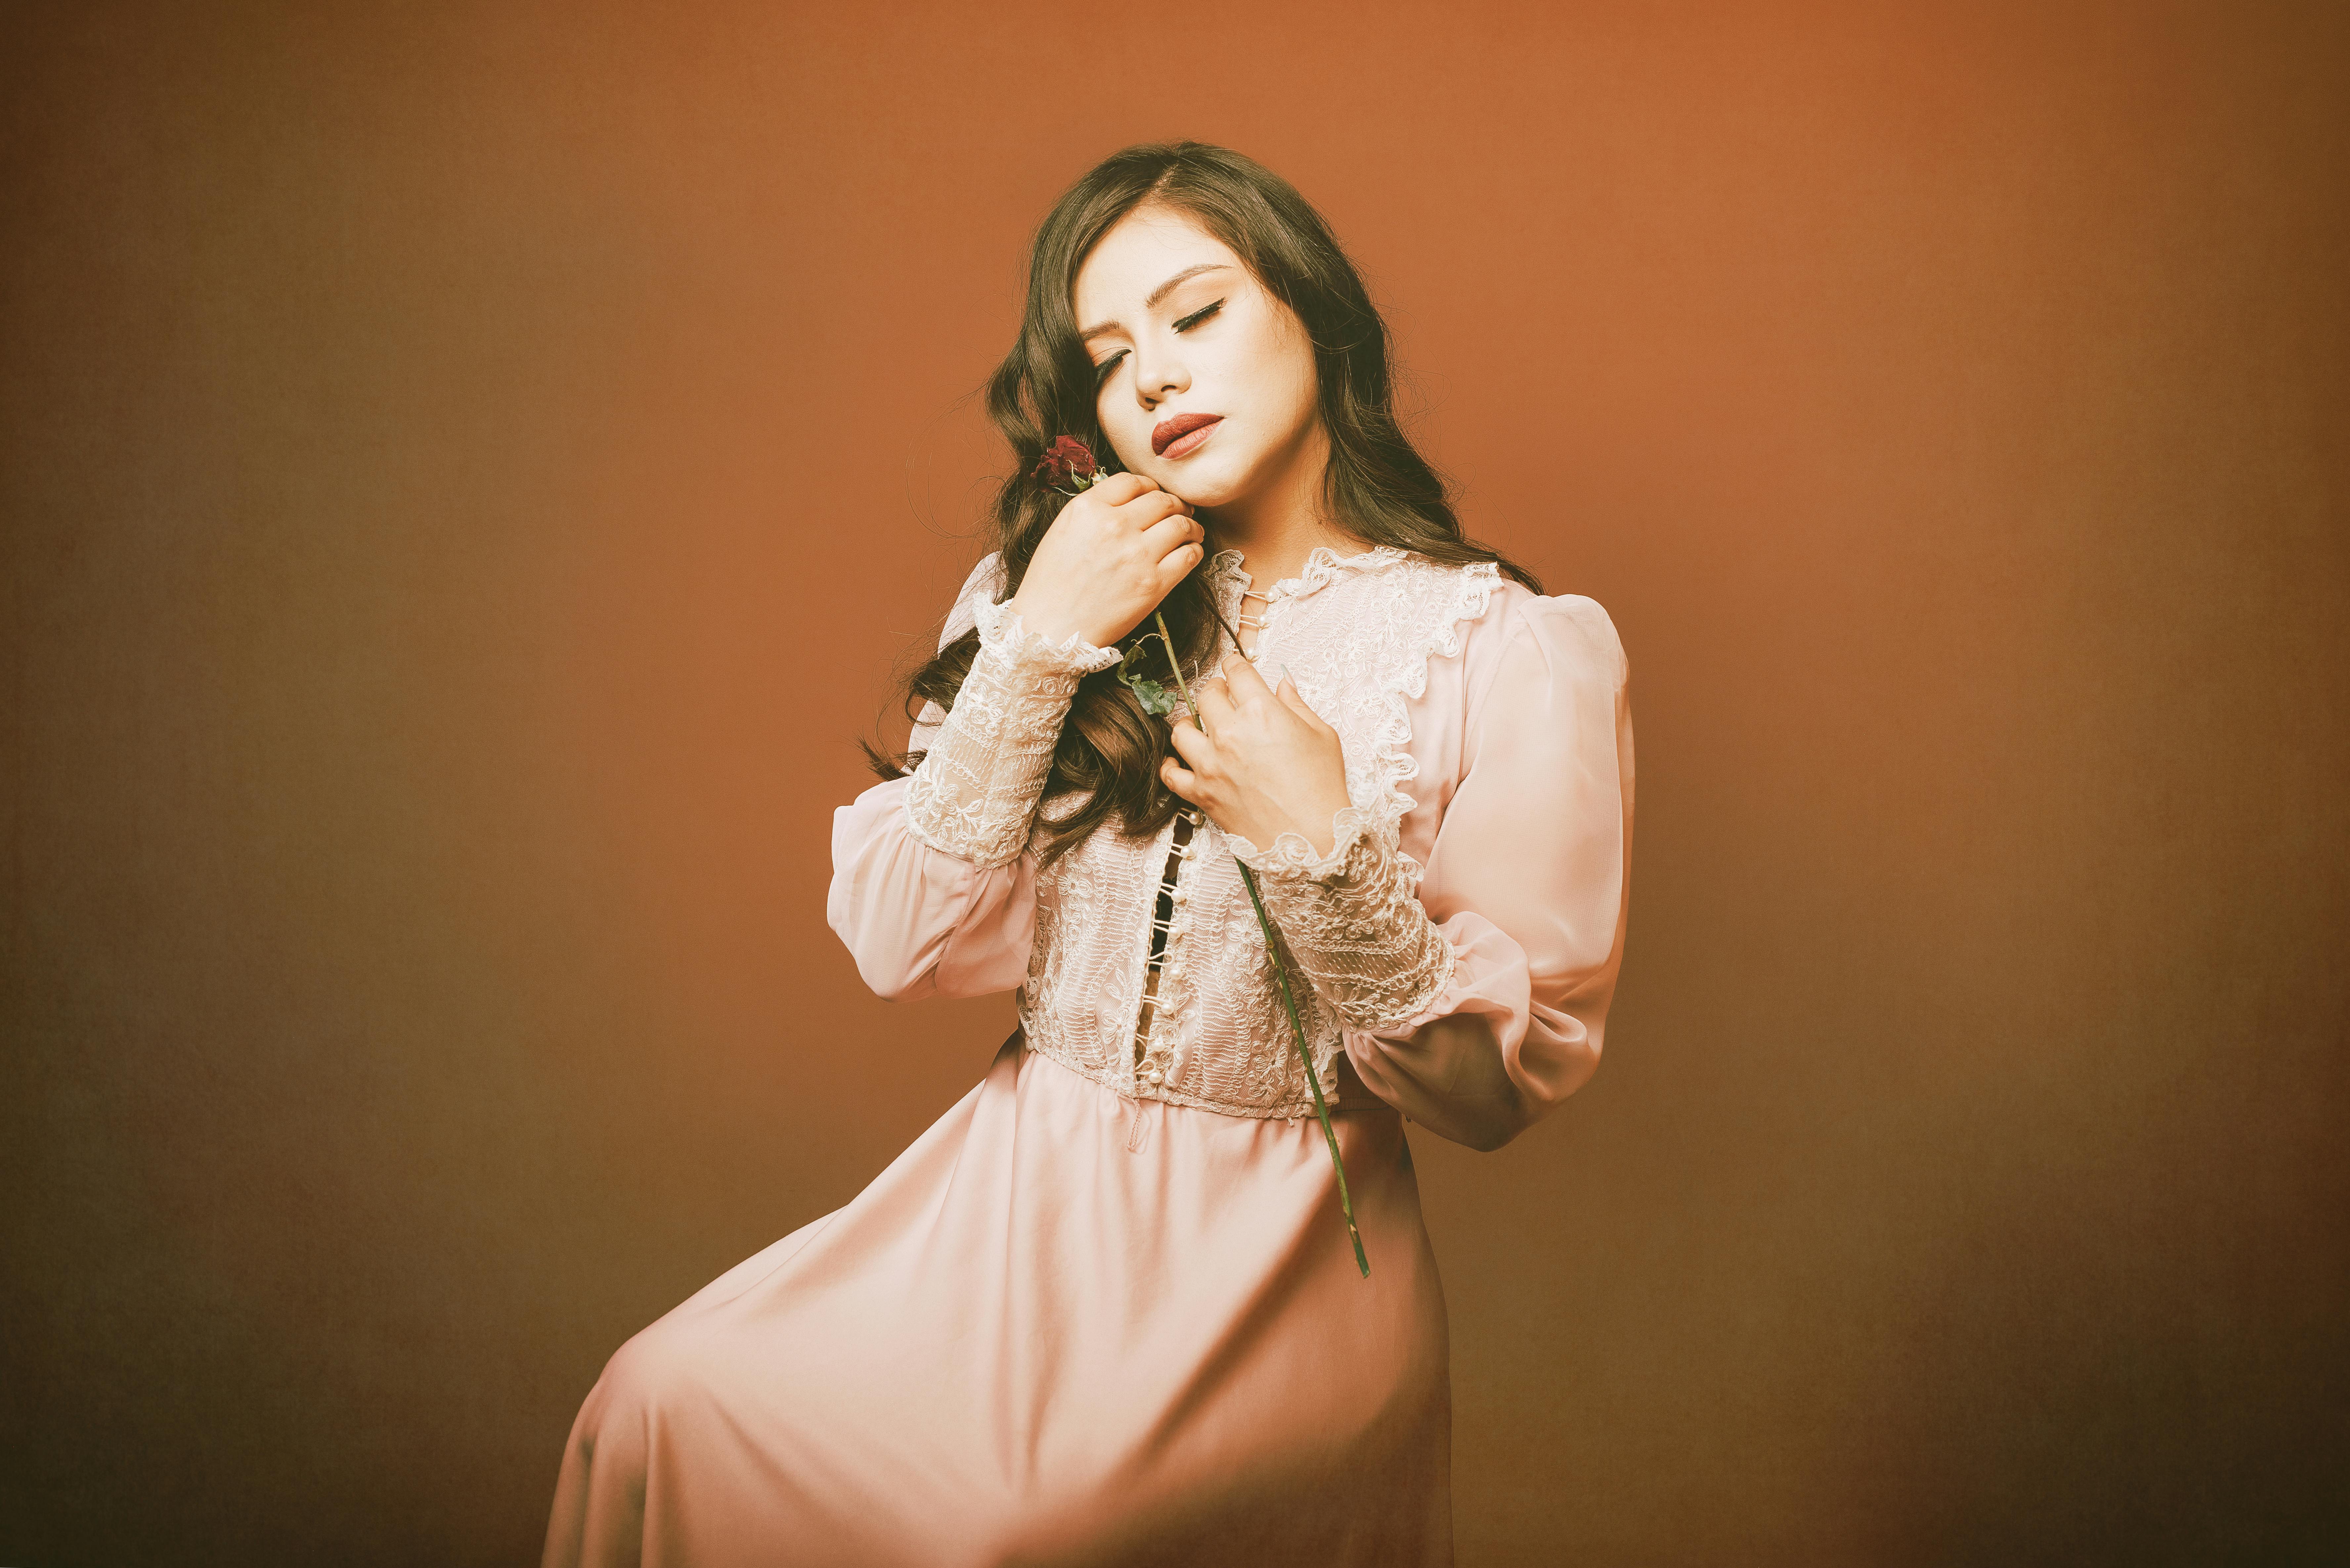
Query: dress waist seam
[{"x": 1352, "y": 1095}]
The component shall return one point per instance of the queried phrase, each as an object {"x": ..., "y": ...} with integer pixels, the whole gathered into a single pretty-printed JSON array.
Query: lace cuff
[
  {"x": 974, "y": 793},
  {"x": 1352, "y": 923}
]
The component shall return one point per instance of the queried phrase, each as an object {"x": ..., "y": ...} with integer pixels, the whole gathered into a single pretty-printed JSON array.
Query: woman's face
[{"x": 1206, "y": 381}]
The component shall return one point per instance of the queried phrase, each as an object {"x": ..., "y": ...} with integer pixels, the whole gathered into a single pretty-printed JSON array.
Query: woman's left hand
[{"x": 1267, "y": 763}]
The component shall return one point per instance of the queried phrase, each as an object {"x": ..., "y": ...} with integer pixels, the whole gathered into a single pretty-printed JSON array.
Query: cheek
[
  {"x": 1128, "y": 430},
  {"x": 1296, "y": 379},
  {"x": 1279, "y": 374}
]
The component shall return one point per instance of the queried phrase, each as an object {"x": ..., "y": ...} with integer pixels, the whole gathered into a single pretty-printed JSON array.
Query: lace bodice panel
[{"x": 1356, "y": 636}]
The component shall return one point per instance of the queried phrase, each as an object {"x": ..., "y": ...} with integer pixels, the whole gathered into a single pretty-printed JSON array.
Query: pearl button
[
  {"x": 1181, "y": 897},
  {"x": 1157, "y": 1077}
]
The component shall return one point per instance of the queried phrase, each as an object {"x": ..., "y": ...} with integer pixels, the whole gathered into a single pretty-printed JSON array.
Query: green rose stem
[
  {"x": 1057, "y": 465},
  {"x": 1280, "y": 970}
]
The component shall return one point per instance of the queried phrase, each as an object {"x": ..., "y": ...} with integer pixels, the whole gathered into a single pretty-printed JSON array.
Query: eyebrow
[{"x": 1161, "y": 292}]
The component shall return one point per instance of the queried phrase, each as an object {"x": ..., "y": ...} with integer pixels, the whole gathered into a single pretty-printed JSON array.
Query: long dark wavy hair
[{"x": 1377, "y": 487}]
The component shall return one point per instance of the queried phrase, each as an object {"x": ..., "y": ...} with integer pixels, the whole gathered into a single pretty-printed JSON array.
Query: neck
[{"x": 1282, "y": 522}]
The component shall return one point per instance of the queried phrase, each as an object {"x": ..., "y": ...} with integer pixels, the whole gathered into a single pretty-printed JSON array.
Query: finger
[
  {"x": 1120, "y": 488},
  {"x": 1241, "y": 677},
  {"x": 1194, "y": 746},
  {"x": 1215, "y": 700},
  {"x": 1179, "y": 779},
  {"x": 1147, "y": 508},
  {"x": 1169, "y": 532},
  {"x": 1176, "y": 563}
]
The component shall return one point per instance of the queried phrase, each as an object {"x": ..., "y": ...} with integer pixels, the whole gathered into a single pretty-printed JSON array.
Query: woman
[{"x": 1105, "y": 1310}]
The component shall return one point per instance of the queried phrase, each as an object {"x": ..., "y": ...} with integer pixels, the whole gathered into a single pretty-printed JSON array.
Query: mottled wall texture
[{"x": 469, "y": 471}]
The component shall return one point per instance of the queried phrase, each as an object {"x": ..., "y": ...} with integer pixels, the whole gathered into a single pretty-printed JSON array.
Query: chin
[{"x": 1203, "y": 481}]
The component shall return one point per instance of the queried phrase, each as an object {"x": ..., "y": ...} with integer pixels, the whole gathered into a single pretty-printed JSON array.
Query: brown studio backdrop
[{"x": 467, "y": 473}]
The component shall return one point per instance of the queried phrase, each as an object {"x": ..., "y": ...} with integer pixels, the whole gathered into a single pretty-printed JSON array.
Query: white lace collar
[{"x": 1323, "y": 566}]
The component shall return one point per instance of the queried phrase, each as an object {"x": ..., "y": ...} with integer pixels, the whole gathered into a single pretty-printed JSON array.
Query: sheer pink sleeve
[
  {"x": 920, "y": 921},
  {"x": 932, "y": 888},
  {"x": 1527, "y": 877}
]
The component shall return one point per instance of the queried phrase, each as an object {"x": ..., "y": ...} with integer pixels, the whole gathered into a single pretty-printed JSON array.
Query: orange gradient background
[{"x": 470, "y": 470}]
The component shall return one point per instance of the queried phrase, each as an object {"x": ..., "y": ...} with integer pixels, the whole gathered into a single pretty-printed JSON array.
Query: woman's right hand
[{"x": 1117, "y": 549}]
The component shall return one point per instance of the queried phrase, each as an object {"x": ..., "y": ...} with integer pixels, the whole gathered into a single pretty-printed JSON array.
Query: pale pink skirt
[{"x": 1059, "y": 1329}]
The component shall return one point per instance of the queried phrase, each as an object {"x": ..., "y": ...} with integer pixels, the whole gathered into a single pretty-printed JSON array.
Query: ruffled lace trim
[
  {"x": 1323, "y": 566},
  {"x": 999, "y": 629},
  {"x": 1393, "y": 763},
  {"x": 1291, "y": 855}
]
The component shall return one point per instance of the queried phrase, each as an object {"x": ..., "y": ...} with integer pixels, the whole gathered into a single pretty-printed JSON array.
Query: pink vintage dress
[{"x": 1104, "y": 1310}]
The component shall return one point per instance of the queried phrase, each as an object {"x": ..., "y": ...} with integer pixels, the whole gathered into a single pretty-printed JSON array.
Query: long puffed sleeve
[
  {"x": 1477, "y": 1007},
  {"x": 974, "y": 794},
  {"x": 932, "y": 889}
]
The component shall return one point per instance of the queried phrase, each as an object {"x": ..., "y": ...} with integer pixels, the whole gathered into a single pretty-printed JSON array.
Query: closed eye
[
  {"x": 1197, "y": 316},
  {"x": 1102, "y": 371}
]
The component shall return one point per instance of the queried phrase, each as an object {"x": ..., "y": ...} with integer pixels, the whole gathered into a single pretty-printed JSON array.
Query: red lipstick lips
[{"x": 1167, "y": 432}]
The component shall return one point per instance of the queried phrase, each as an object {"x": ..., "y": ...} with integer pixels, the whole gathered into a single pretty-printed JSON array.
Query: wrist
[
  {"x": 1048, "y": 621},
  {"x": 1313, "y": 830},
  {"x": 1292, "y": 854},
  {"x": 1319, "y": 825},
  {"x": 1006, "y": 633}
]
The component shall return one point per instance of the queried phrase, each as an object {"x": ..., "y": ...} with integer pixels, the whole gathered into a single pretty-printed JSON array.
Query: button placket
[
  {"x": 1251, "y": 625},
  {"x": 1151, "y": 1062}
]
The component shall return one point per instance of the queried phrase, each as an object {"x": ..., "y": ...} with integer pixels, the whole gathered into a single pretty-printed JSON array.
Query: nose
[{"x": 1159, "y": 373}]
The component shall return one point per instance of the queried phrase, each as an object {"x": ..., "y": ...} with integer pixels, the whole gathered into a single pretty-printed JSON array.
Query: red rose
[{"x": 1068, "y": 458}]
